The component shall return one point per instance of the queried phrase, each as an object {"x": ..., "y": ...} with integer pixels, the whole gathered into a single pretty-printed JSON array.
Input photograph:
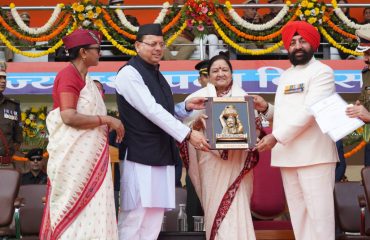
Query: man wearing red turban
[{"x": 306, "y": 157}]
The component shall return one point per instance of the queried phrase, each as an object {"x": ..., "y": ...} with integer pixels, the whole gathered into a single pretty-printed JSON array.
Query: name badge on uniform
[
  {"x": 295, "y": 88},
  {"x": 10, "y": 114}
]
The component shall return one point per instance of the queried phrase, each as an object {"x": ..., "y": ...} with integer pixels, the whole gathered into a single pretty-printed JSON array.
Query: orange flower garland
[
  {"x": 337, "y": 29},
  {"x": 247, "y": 36},
  {"x": 172, "y": 23},
  {"x": 355, "y": 149},
  {"x": 116, "y": 27},
  {"x": 23, "y": 159},
  {"x": 37, "y": 39}
]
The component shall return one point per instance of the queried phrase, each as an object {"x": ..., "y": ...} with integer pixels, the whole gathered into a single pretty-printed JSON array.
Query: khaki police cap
[{"x": 363, "y": 38}]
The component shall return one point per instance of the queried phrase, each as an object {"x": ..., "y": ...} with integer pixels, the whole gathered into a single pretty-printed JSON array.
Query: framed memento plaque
[{"x": 230, "y": 123}]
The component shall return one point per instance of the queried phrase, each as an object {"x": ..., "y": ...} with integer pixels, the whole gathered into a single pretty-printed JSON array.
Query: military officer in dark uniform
[
  {"x": 362, "y": 106},
  {"x": 10, "y": 124},
  {"x": 36, "y": 175}
]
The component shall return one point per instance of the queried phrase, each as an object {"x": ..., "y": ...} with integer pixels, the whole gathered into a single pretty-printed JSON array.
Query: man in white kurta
[
  {"x": 306, "y": 156},
  {"x": 145, "y": 103}
]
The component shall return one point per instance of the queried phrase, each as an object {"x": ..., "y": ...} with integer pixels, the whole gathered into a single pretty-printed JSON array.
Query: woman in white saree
[
  {"x": 222, "y": 179},
  {"x": 80, "y": 201}
]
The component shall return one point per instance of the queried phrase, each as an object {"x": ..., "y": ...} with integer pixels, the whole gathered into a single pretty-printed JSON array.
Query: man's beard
[{"x": 302, "y": 59}]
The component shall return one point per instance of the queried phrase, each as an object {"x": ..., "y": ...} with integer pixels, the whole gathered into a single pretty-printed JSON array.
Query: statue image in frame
[{"x": 230, "y": 123}]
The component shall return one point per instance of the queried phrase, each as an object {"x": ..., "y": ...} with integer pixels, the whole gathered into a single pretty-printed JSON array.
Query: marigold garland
[
  {"x": 53, "y": 34},
  {"x": 174, "y": 36},
  {"x": 355, "y": 149},
  {"x": 116, "y": 27},
  {"x": 241, "y": 49},
  {"x": 337, "y": 29},
  {"x": 337, "y": 45},
  {"x": 37, "y": 54},
  {"x": 30, "y": 54},
  {"x": 247, "y": 36},
  {"x": 172, "y": 23},
  {"x": 115, "y": 43},
  {"x": 24, "y": 159}
]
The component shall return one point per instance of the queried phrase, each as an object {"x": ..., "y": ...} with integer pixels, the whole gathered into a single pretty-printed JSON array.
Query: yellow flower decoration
[
  {"x": 98, "y": 10},
  {"x": 228, "y": 5},
  {"x": 28, "y": 121},
  {"x": 41, "y": 126},
  {"x": 307, "y": 12},
  {"x": 312, "y": 20},
  {"x": 81, "y": 17},
  {"x": 12, "y": 5},
  {"x": 80, "y": 8},
  {"x": 304, "y": 3},
  {"x": 90, "y": 14},
  {"x": 34, "y": 110},
  {"x": 23, "y": 116},
  {"x": 310, "y": 5},
  {"x": 42, "y": 116},
  {"x": 74, "y": 6}
]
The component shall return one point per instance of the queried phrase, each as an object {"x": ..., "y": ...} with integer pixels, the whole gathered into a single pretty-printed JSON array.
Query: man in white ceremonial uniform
[
  {"x": 306, "y": 157},
  {"x": 146, "y": 106}
]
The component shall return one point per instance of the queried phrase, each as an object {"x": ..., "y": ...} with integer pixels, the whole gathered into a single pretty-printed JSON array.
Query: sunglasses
[{"x": 37, "y": 159}]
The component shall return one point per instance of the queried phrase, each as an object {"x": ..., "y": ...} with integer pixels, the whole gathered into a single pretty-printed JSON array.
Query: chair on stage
[
  {"x": 268, "y": 202},
  {"x": 350, "y": 218},
  {"x": 9, "y": 187},
  {"x": 30, "y": 213}
]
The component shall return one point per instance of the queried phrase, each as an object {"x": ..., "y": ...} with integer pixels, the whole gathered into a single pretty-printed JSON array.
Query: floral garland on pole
[
  {"x": 337, "y": 29},
  {"x": 337, "y": 45},
  {"x": 345, "y": 19},
  {"x": 116, "y": 27},
  {"x": 53, "y": 34},
  {"x": 258, "y": 27},
  {"x": 115, "y": 43},
  {"x": 248, "y": 36},
  {"x": 197, "y": 15},
  {"x": 355, "y": 149},
  {"x": 174, "y": 36},
  {"x": 241, "y": 49},
  {"x": 39, "y": 30},
  {"x": 37, "y": 54}
]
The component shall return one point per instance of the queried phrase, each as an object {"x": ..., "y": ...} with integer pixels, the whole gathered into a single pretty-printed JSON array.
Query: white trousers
[
  {"x": 140, "y": 223},
  {"x": 309, "y": 193}
]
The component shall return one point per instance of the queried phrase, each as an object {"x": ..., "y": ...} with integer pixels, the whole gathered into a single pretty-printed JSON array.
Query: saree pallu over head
[{"x": 77, "y": 165}]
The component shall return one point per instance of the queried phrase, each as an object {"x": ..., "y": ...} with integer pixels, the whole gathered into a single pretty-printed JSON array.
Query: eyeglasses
[
  {"x": 153, "y": 44},
  {"x": 36, "y": 159},
  {"x": 98, "y": 49}
]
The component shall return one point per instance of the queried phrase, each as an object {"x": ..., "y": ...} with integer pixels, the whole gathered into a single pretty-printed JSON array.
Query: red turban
[
  {"x": 306, "y": 30},
  {"x": 81, "y": 37}
]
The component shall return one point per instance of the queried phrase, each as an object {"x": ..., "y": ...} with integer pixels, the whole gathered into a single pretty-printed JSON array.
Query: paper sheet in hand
[{"x": 331, "y": 117}]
